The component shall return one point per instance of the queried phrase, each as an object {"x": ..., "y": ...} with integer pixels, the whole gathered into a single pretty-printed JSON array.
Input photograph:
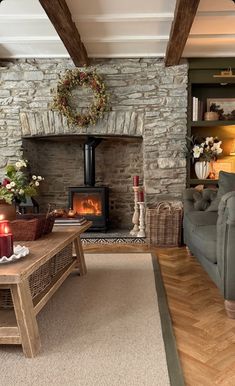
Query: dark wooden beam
[
  {"x": 185, "y": 11},
  {"x": 60, "y": 16}
]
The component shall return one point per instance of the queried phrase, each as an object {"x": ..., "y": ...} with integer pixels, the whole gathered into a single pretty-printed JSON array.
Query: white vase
[{"x": 202, "y": 169}]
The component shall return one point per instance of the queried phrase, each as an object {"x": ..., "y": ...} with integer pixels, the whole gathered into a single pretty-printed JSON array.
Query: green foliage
[{"x": 16, "y": 185}]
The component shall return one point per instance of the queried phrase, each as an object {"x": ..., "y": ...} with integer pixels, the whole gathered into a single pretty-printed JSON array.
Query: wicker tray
[{"x": 29, "y": 227}]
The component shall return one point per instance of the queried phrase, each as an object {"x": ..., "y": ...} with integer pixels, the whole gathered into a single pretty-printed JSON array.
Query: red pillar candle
[
  {"x": 141, "y": 196},
  {"x": 2, "y": 223},
  {"x": 6, "y": 241},
  {"x": 136, "y": 181}
]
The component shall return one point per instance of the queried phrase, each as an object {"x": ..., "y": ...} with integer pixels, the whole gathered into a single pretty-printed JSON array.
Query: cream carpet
[{"x": 100, "y": 329}]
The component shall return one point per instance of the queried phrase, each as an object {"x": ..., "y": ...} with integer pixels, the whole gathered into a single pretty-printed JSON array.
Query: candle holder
[
  {"x": 141, "y": 232},
  {"x": 135, "y": 218}
]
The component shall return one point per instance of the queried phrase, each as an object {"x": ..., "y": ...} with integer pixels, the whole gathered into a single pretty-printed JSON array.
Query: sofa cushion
[
  {"x": 204, "y": 198},
  {"x": 196, "y": 219},
  {"x": 204, "y": 238},
  {"x": 226, "y": 185}
]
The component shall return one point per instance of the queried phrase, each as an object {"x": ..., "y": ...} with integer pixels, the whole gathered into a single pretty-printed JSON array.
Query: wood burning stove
[{"x": 91, "y": 201}]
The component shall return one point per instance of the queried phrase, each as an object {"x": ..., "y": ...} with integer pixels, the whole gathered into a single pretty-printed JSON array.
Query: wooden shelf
[
  {"x": 196, "y": 181},
  {"x": 211, "y": 123}
]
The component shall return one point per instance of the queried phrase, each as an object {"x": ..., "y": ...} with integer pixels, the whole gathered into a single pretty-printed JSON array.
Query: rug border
[{"x": 173, "y": 362}]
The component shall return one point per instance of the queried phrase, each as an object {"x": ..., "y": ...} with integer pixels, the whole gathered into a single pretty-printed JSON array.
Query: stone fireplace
[{"x": 142, "y": 134}]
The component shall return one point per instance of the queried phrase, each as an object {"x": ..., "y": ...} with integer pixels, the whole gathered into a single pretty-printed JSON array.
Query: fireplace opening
[{"x": 117, "y": 159}]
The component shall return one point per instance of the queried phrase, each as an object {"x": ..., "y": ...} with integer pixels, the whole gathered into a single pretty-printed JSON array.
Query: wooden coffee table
[{"x": 19, "y": 325}]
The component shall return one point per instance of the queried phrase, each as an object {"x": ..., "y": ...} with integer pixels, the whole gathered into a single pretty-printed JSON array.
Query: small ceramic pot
[
  {"x": 202, "y": 169},
  {"x": 71, "y": 213},
  {"x": 211, "y": 116}
]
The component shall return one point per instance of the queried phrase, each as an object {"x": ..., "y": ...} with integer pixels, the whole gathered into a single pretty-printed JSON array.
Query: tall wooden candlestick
[
  {"x": 141, "y": 232},
  {"x": 135, "y": 218}
]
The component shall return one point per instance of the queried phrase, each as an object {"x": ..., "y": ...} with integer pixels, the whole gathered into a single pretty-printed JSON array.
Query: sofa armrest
[
  {"x": 226, "y": 244},
  {"x": 195, "y": 200}
]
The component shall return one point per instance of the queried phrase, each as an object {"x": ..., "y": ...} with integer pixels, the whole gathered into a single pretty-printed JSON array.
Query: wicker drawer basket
[
  {"x": 61, "y": 260},
  {"x": 164, "y": 224},
  {"x": 42, "y": 277}
]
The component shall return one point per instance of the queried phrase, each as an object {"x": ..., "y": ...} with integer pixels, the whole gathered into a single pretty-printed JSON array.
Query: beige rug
[{"x": 100, "y": 329}]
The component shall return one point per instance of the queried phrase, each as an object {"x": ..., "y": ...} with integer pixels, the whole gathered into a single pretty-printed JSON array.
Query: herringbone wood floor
[{"x": 205, "y": 336}]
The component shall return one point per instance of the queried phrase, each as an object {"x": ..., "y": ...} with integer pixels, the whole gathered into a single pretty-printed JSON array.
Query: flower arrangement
[
  {"x": 77, "y": 78},
  {"x": 16, "y": 186},
  {"x": 207, "y": 149}
]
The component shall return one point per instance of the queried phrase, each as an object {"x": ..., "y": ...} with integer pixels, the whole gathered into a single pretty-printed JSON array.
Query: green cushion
[{"x": 226, "y": 185}]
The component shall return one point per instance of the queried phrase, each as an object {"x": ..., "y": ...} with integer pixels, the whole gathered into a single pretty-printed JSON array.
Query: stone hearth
[{"x": 148, "y": 117}]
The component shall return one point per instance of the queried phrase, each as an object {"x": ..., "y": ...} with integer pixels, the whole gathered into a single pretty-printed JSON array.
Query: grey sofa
[{"x": 209, "y": 235}]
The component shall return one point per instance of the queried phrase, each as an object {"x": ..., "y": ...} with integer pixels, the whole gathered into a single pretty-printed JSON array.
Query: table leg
[
  {"x": 26, "y": 320},
  {"x": 80, "y": 256}
]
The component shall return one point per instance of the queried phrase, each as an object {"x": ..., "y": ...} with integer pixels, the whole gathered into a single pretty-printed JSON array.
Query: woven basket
[
  {"x": 42, "y": 277},
  {"x": 29, "y": 227},
  {"x": 164, "y": 224},
  {"x": 5, "y": 298},
  {"x": 61, "y": 259},
  {"x": 48, "y": 221}
]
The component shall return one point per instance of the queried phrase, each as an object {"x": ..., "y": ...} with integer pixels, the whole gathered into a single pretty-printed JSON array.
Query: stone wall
[{"x": 147, "y": 100}]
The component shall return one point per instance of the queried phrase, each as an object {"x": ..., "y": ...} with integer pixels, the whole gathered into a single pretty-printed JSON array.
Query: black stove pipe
[{"x": 89, "y": 160}]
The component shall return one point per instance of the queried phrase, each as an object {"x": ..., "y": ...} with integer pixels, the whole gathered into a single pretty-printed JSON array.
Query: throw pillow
[
  {"x": 226, "y": 185},
  {"x": 203, "y": 199}
]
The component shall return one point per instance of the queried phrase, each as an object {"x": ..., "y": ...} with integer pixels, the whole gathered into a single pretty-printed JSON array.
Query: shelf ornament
[{"x": 62, "y": 100}]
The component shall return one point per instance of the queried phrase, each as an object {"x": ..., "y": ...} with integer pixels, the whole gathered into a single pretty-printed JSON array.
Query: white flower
[
  {"x": 21, "y": 192},
  {"x": 39, "y": 178},
  {"x": 219, "y": 150},
  {"x": 209, "y": 139},
  {"x": 36, "y": 183},
  {"x": 18, "y": 165},
  {"x": 12, "y": 189},
  {"x": 34, "y": 177},
  {"x": 217, "y": 145},
  {"x": 12, "y": 184},
  {"x": 197, "y": 151},
  {"x": 8, "y": 186}
]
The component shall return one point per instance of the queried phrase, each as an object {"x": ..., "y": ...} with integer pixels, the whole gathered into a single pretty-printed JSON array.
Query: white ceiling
[{"x": 123, "y": 28}]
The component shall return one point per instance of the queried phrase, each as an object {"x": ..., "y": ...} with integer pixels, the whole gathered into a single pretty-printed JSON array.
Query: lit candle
[
  {"x": 6, "y": 240},
  {"x": 141, "y": 196},
  {"x": 136, "y": 181}
]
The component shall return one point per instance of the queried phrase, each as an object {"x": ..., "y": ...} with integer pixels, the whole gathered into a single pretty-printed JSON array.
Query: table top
[{"x": 40, "y": 251}]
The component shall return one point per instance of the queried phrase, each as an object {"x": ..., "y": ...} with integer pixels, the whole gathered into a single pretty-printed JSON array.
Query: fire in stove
[{"x": 87, "y": 204}]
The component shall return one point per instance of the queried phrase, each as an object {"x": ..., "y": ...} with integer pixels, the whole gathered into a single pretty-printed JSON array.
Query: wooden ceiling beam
[
  {"x": 60, "y": 16},
  {"x": 185, "y": 11}
]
